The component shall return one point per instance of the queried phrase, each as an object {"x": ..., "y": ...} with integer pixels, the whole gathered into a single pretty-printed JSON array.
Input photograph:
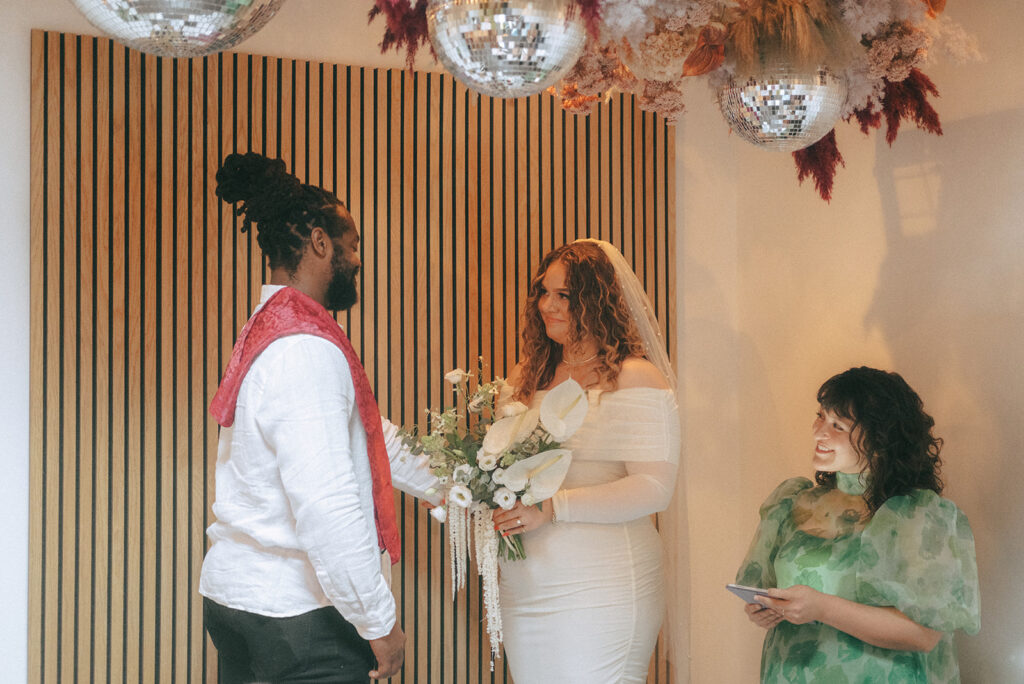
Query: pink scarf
[{"x": 290, "y": 312}]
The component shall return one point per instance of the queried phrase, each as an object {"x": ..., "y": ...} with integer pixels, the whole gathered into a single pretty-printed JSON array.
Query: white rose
[
  {"x": 528, "y": 499},
  {"x": 486, "y": 461},
  {"x": 505, "y": 498},
  {"x": 513, "y": 408},
  {"x": 498, "y": 476},
  {"x": 439, "y": 513},
  {"x": 456, "y": 376},
  {"x": 462, "y": 473},
  {"x": 460, "y": 496}
]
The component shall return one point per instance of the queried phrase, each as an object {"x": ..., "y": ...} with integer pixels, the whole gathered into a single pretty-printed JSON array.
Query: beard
[{"x": 341, "y": 291}]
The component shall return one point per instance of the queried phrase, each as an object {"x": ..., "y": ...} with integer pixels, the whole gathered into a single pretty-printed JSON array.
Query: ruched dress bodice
[{"x": 587, "y": 602}]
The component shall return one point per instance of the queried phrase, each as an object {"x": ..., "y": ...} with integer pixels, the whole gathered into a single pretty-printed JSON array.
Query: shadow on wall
[{"x": 950, "y": 304}]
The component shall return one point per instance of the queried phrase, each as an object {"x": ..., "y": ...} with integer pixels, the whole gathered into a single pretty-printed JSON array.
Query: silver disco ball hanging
[
  {"x": 509, "y": 48},
  {"x": 783, "y": 109},
  {"x": 179, "y": 28}
]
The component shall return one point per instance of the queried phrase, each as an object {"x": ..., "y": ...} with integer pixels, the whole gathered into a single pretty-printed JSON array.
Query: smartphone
[{"x": 746, "y": 593}]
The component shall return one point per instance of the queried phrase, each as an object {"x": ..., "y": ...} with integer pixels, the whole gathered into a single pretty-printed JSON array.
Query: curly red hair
[{"x": 598, "y": 311}]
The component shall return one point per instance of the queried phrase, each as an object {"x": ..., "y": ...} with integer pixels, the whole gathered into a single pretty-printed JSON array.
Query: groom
[{"x": 296, "y": 581}]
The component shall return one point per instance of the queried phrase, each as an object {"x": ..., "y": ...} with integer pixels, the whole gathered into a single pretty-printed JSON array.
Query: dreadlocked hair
[
  {"x": 284, "y": 209},
  {"x": 894, "y": 436},
  {"x": 597, "y": 311}
]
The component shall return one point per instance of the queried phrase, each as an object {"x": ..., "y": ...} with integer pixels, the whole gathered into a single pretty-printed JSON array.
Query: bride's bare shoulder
[
  {"x": 638, "y": 372},
  {"x": 515, "y": 375}
]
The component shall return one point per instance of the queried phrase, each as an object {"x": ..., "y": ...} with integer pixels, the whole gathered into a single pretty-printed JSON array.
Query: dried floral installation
[{"x": 652, "y": 48}]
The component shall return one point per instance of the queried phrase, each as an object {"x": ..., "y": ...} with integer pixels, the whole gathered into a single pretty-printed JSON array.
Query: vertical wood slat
[{"x": 141, "y": 279}]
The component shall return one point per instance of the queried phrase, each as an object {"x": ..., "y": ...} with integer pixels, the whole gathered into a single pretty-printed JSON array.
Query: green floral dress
[{"x": 915, "y": 553}]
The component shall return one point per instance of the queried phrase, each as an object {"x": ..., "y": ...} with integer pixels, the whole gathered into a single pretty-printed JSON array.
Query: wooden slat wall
[{"x": 141, "y": 280}]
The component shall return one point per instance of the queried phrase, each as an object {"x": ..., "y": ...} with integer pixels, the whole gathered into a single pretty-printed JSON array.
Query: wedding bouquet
[{"x": 494, "y": 453}]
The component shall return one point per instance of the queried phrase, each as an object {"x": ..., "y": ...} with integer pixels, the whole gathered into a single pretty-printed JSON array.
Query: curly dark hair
[
  {"x": 597, "y": 310},
  {"x": 894, "y": 436},
  {"x": 285, "y": 209}
]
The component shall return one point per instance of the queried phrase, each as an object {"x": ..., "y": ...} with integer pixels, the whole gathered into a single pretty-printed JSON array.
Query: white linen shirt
[{"x": 295, "y": 524}]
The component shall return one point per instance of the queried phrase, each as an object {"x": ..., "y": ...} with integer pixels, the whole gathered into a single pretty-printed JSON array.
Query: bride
[{"x": 587, "y": 603}]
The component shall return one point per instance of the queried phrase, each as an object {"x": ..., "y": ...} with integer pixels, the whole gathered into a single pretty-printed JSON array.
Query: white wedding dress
[{"x": 587, "y": 603}]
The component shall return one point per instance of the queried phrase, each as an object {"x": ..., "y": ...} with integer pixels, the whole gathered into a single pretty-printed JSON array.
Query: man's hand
[{"x": 390, "y": 653}]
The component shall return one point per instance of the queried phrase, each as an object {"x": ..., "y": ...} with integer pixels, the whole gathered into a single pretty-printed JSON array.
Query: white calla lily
[
  {"x": 513, "y": 408},
  {"x": 508, "y": 431},
  {"x": 543, "y": 473},
  {"x": 563, "y": 409}
]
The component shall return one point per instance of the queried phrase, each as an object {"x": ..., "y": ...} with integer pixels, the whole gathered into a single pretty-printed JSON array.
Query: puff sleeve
[
  {"x": 917, "y": 554},
  {"x": 758, "y": 568}
]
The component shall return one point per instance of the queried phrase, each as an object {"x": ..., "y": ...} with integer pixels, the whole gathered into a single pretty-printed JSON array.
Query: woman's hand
[
  {"x": 520, "y": 518},
  {"x": 799, "y": 604},
  {"x": 762, "y": 616},
  {"x": 882, "y": 626}
]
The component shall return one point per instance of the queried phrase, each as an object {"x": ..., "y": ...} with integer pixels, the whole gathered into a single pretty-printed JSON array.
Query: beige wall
[{"x": 916, "y": 265}]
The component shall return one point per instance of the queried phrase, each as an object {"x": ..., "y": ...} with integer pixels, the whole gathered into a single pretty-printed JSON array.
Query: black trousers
[{"x": 319, "y": 646}]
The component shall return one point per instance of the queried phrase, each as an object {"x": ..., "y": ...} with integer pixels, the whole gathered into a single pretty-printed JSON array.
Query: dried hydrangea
[
  {"x": 660, "y": 56},
  {"x": 895, "y": 51},
  {"x": 597, "y": 71},
  {"x": 663, "y": 98}
]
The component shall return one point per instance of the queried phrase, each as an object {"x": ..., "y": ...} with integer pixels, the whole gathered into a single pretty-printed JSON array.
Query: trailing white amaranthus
[
  {"x": 458, "y": 545},
  {"x": 486, "y": 540}
]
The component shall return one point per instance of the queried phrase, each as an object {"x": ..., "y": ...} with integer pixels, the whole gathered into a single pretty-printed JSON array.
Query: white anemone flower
[
  {"x": 456, "y": 376},
  {"x": 511, "y": 430},
  {"x": 505, "y": 497},
  {"x": 460, "y": 496},
  {"x": 563, "y": 409},
  {"x": 486, "y": 461},
  {"x": 439, "y": 513},
  {"x": 543, "y": 473}
]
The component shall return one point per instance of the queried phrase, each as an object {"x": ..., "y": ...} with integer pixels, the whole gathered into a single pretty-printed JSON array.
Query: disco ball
[
  {"x": 783, "y": 109},
  {"x": 179, "y": 28},
  {"x": 510, "y": 48}
]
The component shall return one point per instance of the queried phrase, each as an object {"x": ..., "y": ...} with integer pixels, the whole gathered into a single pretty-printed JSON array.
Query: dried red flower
[
  {"x": 406, "y": 26},
  {"x": 908, "y": 99},
  {"x": 820, "y": 161}
]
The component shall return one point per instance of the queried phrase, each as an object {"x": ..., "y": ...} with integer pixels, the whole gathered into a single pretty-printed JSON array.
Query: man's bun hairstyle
[{"x": 284, "y": 209}]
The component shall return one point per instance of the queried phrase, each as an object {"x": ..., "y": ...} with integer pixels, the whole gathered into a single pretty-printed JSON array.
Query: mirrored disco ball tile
[
  {"x": 179, "y": 28},
  {"x": 783, "y": 109},
  {"x": 506, "y": 49}
]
